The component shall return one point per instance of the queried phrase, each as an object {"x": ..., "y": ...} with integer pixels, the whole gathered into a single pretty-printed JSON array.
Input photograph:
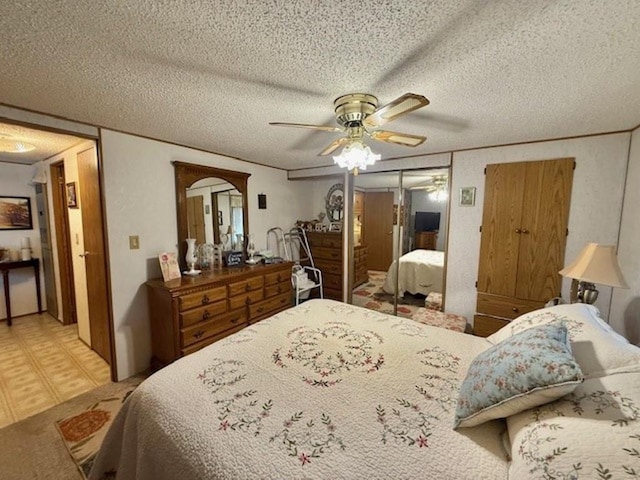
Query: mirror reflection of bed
[{"x": 422, "y": 234}]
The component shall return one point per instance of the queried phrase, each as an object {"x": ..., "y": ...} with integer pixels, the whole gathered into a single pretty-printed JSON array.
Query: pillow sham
[
  {"x": 594, "y": 432},
  {"x": 596, "y": 346},
  {"x": 528, "y": 369}
]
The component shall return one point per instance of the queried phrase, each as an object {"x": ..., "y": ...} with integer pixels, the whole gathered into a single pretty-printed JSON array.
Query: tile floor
[{"x": 42, "y": 364}]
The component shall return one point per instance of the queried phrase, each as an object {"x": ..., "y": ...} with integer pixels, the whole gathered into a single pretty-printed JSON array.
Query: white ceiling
[
  {"x": 213, "y": 74},
  {"x": 47, "y": 143}
]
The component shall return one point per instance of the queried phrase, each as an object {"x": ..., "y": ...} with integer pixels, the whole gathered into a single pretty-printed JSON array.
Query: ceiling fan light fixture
[{"x": 356, "y": 155}]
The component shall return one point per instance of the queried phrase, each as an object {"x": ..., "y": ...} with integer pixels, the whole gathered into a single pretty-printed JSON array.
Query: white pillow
[
  {"x": 596, "y": 347},
  {"x": 593, "y": 432}
]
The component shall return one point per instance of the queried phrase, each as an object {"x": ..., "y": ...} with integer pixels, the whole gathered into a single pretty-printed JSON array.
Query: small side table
[{"x": 5, "y": 267}]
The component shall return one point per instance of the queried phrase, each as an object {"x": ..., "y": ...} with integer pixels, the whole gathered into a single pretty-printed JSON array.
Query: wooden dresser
[
  {"x": 426, "y": 240},
  {"x": 326, "y": 249},
  {"x": 190, "y": 313}
]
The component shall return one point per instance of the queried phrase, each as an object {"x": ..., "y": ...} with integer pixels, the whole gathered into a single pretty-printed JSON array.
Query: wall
[
  {"x": 625, "y": 305},
  {"x": 15, "y": 181},
  {"x": 139, "y": 189},
  {"x": 596, "y": 204}
]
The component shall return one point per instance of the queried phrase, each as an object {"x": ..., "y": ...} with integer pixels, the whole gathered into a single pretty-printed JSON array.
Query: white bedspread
[
  {"x": 324, "y": 390},
  {"x": 421, "y": 271}
]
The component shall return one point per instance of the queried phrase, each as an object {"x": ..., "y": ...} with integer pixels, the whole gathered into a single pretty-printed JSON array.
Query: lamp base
[{"x": 587, "y": 293}]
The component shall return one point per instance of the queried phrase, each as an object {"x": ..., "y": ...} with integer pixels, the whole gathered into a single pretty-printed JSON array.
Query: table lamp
[{"x": 595, "y": 264}]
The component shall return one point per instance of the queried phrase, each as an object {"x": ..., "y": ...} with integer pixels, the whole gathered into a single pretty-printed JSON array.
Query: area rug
[
  {"x": 371, "y": 295},
  {"x": 83, "y": 433}
]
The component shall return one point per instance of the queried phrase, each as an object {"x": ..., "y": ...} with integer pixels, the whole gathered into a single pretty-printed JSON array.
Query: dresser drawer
[
  {"x": 484, "y": 326},
  {"x": 330, "y": 280},
  {"x": 199, "y": 299},
  {"x": 506, "y": 307},
  {"x": 277, "y": 277},
  {"x": 333, "y": 241},
  {"x": 277, "y": 303},
  {"x": 247, "y": 299},
  {"x": 203, "y": 313},
  {"x": 327, "y": 267},
  {"x": 277, "y": 289},
  {"x": 201, "y": 331},
  {"x": 327, "y": 253},
  {"x": 244, "y": 286},
  {"x": 208, "y": 341}
]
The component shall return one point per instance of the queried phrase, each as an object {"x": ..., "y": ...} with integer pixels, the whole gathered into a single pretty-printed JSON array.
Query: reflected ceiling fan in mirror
[
  {"x": 359, "y": 116},
  {"x": 436, "y": 188}
]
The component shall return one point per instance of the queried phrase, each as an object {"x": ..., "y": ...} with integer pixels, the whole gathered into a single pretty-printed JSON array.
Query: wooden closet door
[
  {"x": 377, "y": 229},
  {"x": 545, "y": 216},
  {"x": 501, "y": 218}
]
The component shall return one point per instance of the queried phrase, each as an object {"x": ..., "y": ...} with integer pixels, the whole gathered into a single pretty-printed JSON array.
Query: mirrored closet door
[{"x": 400, "y": 221}]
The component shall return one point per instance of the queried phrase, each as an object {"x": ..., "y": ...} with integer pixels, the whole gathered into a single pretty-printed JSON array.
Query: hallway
[{"x": 42, "y": 364}]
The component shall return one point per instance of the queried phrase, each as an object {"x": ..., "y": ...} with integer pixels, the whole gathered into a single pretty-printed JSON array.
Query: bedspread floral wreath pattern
[
  {"x": 539, "y": 447},
  {"x": 409, "y": 420},
  {"x": 328, "y": 352}
]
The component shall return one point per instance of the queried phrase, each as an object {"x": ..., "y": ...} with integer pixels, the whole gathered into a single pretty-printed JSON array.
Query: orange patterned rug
[
  {"x": 371, "y": 295},
  {"x": 83, "y": 433}
]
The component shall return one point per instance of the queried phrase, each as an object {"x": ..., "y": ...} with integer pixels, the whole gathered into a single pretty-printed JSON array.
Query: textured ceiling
[
  {"x": 47, "y": 144},
  {"x": 213, "y": 74}
]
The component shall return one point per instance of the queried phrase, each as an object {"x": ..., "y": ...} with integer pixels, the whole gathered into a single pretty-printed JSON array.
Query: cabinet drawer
[
  {"x": 507, "y": 307},
  {"x": 206, "y": 297},
  {"x": 277, "y": 289},
  {"x": 327, "y": 267},
  {"x": 332, "y": 281},
  {"x": 333, "y": 241},
  {"x": 248, "y": 298},
  {"x": 484, "y": 326},
  {"x": 279, "y": 302},
  {"x": 201, "y": 331},
  {"x": 327, "y": 253},
  {"x": 277, "y": 277},
  {"x": 203, "y": 313},
  {"x": 246, "y": 286},
  {"x": 200, "y": 345}
]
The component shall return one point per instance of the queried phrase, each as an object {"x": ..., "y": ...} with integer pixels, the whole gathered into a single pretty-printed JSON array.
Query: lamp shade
[{"x": 596, "y": 264}]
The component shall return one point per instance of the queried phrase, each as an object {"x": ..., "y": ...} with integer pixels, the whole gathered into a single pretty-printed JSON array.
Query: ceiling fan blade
[
  {"x": 325, "y": 128},
  {"x": 405, "y": 139},
  {"x": 404, "y": 104},
  {"x": 337, "y": 143}
]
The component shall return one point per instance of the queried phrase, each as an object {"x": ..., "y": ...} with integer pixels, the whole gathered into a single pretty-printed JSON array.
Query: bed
[
  {"x": 421, "y": 271},
  {"x": 329, "y": 390}
]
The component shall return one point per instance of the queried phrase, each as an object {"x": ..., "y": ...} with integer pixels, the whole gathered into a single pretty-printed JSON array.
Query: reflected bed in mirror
[{"x": 211, "y": 206}]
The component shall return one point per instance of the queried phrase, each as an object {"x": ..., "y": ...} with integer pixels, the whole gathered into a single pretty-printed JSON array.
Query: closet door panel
[
  {"x": 545, "y": 216},
  {"x": 501, "y": 219}
]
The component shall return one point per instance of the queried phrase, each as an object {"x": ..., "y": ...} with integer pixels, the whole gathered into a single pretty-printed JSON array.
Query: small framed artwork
[
  {"x": 467, "y": 196},
  {"x": 15, "y": 213},
  {"x": 219, "y": 217},
  {"x": 72, "y": 195}
]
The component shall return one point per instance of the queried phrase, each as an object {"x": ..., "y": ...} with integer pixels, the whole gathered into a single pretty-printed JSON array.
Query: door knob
[{"x": 82, "y": 255}]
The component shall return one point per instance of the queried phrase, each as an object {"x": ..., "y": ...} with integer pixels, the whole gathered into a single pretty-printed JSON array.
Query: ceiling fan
[{"x": 358, "y": 116}]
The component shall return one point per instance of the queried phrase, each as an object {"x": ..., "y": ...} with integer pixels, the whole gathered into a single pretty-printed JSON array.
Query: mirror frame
[{"x": 186, "y": 175}]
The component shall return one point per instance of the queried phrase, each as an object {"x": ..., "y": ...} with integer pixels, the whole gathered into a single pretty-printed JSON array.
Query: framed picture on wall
[
  {"x": 219, "y": 217},
  {"x": 15, "y": 213},
  {"x": 467, "y": 196},
  {"x": 72, "y": 195}
]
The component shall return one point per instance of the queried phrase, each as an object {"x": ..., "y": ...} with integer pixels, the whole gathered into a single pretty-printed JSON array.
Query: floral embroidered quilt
[
  {"x": 324, "y": 390},
  {"x": 421, "y": 271}
]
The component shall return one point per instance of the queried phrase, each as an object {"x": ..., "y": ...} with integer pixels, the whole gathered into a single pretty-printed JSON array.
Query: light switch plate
[{"x": 134, "y": 242}]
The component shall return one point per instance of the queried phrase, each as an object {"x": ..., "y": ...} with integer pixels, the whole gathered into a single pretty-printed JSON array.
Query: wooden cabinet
[
  {"x": 524, "y": 229},
  {"x": 190, "y": 313},
  {"x": 326, "y": 249},
  {"x": 426, "y": 240}
]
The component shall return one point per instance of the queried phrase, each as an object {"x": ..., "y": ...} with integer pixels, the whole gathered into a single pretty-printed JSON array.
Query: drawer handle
[
  {"x": 283, "y": 300},
  {"x": 199, "y": 333},
  {"x": 525, "y": 231},
  {"x": 235, "y": 319},
  {"x": 279, "y": 278},
  {"x": 247, "y": 301},
  {"x": 279, "y": 289},
  {"x": 518, "y": 230},
  {"x": 247, "y": 287},
  {"x": 206, "y": 314},
  {"x": 205, "y": 299},
  {"x": 515, "y": 309},
  {"x": 260, "y": 309}
]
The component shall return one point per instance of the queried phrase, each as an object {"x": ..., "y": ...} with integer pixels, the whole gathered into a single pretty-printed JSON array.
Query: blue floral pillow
[{"x": 528, "y": 369}]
